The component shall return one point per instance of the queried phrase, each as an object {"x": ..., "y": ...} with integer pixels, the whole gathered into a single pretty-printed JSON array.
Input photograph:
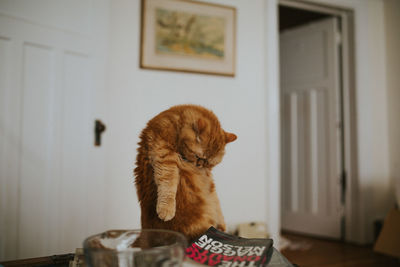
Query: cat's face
[{"x": 203, "y": 143}]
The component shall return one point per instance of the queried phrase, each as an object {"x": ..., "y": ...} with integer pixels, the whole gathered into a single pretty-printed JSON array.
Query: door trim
[{"x": 352, "y": 213}]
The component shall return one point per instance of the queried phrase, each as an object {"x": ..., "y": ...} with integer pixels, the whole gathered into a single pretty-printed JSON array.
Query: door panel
[
  {"x": 311, "y": 149},
  {"x": 35, "y": 149},
  {"x": 9, "y": 153},
  {"x": 75, "y": 146}
]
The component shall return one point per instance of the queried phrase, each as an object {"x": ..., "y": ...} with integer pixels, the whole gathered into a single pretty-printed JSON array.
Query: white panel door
[
  {"x": 311, "y": 134},
  {"x": 51, "y": 177}
]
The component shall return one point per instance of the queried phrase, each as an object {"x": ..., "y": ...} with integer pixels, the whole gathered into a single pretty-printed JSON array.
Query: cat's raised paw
[{"x": 166, "y": 211}]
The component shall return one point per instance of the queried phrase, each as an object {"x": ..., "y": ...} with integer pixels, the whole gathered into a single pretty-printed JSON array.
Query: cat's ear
[
  {"x": 230, "y": 137},
  {"x": 200, "y": 126}
]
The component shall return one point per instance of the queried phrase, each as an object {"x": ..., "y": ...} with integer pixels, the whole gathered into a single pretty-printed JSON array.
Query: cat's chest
[
  {"x": 196, "y": 182},
  {"x": 203, "y": 182}
]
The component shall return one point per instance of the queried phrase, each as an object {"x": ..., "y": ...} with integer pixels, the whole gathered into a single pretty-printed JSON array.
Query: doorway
[{"x": 313, "y": 61}]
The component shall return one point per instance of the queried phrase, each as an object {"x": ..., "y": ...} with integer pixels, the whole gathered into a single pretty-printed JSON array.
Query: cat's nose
[{"x": 200, "y": 162}]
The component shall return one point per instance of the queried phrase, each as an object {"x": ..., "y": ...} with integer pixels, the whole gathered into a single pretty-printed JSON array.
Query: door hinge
[{"x": 343, "y": 186}]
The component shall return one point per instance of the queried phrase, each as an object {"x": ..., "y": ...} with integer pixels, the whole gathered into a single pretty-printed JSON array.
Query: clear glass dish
[{"x": 133, "y": 248}]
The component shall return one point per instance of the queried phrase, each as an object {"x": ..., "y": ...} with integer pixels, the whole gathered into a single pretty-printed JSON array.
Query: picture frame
[{"x": 188, "y": 36}]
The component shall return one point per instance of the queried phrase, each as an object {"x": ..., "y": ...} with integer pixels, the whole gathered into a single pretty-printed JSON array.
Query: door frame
[{"x": 351, "y": 210}]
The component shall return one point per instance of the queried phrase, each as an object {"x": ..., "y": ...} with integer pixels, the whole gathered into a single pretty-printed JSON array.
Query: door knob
[{"x": 99, "y": 128}]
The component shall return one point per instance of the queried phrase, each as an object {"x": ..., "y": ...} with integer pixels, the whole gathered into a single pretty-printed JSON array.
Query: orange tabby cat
[{"x": 175, "y": 188}]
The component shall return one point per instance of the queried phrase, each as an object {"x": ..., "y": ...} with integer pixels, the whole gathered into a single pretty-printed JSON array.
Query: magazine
[{"x": 216, "y": 248}]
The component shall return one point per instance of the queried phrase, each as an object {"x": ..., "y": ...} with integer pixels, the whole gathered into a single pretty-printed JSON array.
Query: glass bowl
[{"x": 146, "y": 247}]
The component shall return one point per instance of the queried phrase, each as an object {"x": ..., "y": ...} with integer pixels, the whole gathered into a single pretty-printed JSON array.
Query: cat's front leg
[
  {"x": 221, "y": 227},
  {"x": 166, "y": 176},
  {"x": 221, "y": 221},
  {"x": 220, "y": 217}
]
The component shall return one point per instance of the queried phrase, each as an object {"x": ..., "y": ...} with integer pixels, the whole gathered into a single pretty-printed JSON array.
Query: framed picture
[{"x": 188, "y": 36}]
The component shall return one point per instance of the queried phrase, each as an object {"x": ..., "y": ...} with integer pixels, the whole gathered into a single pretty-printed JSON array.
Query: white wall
[
  {"x": 136, "y": 95},
  {"x": 248, "y": 180},
  {"x": 392, "y": 26}
]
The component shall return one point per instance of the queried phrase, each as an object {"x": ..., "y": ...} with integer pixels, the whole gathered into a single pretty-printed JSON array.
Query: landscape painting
[
  {"x": 183, "y": 33},
  {"x": 188, "y": 36}
]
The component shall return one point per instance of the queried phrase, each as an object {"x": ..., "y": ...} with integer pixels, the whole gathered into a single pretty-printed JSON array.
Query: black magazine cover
[{"x": 216, "y": 248}]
